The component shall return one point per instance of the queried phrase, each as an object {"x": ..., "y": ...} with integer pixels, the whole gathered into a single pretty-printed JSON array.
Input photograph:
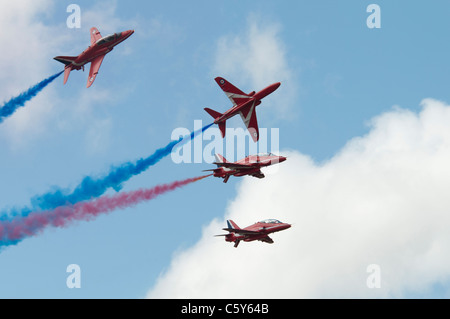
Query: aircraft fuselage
[
  {"x": 255, "y": 99},
  {"x": 101, "y": 47}
]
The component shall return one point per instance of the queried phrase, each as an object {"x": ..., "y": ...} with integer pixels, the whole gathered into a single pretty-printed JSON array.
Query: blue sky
[{"x": 337, "y": 76}]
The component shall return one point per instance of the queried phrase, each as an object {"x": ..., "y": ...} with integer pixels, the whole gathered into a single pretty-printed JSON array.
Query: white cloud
[
  {"x": 22, "y": 36},
  {"x": 383, "y": 199},
  {"x": 255, "y": 59},
  {"x": 29, "y": 45}
]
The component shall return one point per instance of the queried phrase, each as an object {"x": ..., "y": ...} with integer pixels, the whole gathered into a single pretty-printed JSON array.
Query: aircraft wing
[
  {"x": 234, "y": 165},
  {"x": 248, "y": 116},
  {"x": 95, "y": 35},
  {"x": 93, "y": 71},
  {"x": 235, "y": 95},
  {"x": 241, "y": 231}
]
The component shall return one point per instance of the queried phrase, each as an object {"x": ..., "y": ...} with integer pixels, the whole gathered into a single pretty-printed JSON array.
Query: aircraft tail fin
[
  {"x": 220, "y": 158},
  {"x": 232, "y": 225},
  {"x": 216, "y": 115}
]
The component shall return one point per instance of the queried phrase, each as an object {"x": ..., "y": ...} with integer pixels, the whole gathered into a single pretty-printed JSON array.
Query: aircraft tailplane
[
  {"x": 222, "y": 128},
  {"x": 65, "y": 59},
  {"x": 213, "y": 113},
  {"x": 67, "y": 70}
]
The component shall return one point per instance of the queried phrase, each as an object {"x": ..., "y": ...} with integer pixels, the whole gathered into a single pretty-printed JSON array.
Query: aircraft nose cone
[
  {"x": 276, "y": 85},
  {"x": 128, "y": 33}
]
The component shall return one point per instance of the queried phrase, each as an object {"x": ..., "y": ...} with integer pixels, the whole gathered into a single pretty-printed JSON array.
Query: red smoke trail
[{"x": 13, "y": 231}]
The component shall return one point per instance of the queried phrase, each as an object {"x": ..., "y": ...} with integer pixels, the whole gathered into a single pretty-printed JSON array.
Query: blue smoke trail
[
  {"x": 91, "y": 187},
  {"x": 12, "y": 105}
]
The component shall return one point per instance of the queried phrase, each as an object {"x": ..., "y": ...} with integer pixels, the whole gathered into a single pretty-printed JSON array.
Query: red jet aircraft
[
  {"x": 258, "y": 231},
  {"x": 243, "y": 104},
  {"x": 251, "y": 165},
  {"x": 95, "y": 53}
]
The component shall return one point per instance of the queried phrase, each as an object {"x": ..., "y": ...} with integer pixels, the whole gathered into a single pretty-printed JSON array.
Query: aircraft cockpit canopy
[
  {"x": 266, "y": 154},
  {"x": 108, "y": 38},
  {"x": 271, "y": 221}
]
